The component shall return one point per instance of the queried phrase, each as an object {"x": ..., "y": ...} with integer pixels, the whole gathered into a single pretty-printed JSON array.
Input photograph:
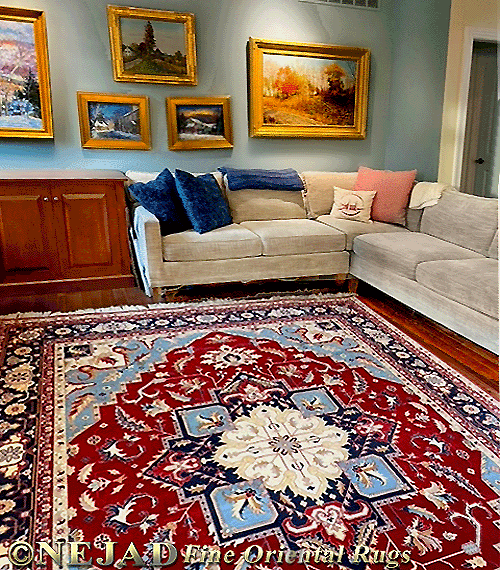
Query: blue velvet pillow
[
  {"x": 203, "y": 201},
  {"x": 160, "y": 197}
]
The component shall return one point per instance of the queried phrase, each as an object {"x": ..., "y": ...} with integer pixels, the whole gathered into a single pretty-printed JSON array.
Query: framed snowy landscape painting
[
  {"x": 114, "y": 121},
  {"x": 25, "y": 104},
  {"x": 199, "y": 123}
]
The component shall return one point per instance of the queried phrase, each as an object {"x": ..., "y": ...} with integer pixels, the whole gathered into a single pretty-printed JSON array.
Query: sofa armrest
[
  {"x": 148, "y": 246},
  {"x": 144, "y": 218}
]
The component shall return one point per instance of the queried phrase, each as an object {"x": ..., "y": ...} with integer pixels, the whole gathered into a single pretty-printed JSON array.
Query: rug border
[
  {"x": 169, "y": 305},
  {"x": 16, "y": 318},
  {"x": 415, "y": 344}
]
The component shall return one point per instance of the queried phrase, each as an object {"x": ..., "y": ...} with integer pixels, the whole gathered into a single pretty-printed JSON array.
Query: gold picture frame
[
  {"x": 25, "y": 101},
  {"x": 307, "y": 90},
  {"x": 199, "y": 123},
  {"x": 110, "y": 121},
  {"x": 152, "y": 46}
]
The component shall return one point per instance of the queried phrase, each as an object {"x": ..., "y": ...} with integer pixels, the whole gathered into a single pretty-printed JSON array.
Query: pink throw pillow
[{"x": 393, "y": 192}]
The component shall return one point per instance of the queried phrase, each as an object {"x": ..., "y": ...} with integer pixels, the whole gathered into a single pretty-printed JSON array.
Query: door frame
[{"x": 470, "y": 36}]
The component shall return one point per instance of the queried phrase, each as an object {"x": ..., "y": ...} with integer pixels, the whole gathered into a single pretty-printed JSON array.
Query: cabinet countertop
[{"x": 61, "y": 174}]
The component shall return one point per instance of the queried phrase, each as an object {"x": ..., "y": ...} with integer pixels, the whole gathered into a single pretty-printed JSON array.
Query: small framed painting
[
  {"x": 307, "y": 90},
  {"x": 152, "y": 46},
  {"x": 114, "y": 121},
  {"x": 199, "y": 123},
  {"x": 25, "y": 104}
]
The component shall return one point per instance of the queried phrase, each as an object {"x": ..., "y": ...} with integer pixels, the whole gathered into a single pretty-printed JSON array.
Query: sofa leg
[
  {"x": 157, "y": 294},
  {"x": 352, "y": 284},
  {"x": 340, "y": 278}
]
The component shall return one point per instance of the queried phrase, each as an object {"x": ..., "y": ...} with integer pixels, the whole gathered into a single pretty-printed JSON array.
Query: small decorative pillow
[
  {"x": 160, "y": 197},
  {"x": 203, "y": 201},
  {"x": 352, "y": 205},
  {"x": 393, "y": 192}
]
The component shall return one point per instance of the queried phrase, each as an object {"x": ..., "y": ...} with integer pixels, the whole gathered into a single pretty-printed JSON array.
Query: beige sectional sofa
[
  {"x": 442, "y": 263},
  {"x": 447, "y": 271}
]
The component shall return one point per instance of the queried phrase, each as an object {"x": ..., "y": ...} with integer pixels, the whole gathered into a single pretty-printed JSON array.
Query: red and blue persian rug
[{"x": 302, "y": 432}]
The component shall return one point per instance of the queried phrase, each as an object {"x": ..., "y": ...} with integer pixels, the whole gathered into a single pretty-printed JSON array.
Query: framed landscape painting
[
  {"x": 199, "y": 123},
  {"x": 114, "y": 121},
  {"x": 307, "y": 90},
  {"x": 152, "y": 46},
  {"x": 25, "y": 104}
]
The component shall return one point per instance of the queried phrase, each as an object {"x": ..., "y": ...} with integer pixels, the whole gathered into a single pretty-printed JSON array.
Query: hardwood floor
[{"x": 477, "y": 364}]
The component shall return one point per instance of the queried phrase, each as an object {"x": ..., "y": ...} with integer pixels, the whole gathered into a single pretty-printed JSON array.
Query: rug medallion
[{"x": 292, "y": 432}]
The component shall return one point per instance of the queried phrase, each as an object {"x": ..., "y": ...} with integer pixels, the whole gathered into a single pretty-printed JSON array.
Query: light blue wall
[
  {"x": 80, "y": 60},
  {"x": 420, "y": 44}
]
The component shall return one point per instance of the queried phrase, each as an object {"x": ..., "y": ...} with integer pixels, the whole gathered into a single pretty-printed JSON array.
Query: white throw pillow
[
  {"x": 144, "y": 177},
  {"x": 352, "y": 204}
]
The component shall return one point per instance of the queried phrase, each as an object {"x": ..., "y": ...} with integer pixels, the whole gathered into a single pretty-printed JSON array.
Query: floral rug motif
[{"x": 298, "y": 425}]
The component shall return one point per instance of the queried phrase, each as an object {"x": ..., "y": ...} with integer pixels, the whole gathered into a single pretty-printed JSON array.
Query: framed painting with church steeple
[{"x": 152, "y": 46}]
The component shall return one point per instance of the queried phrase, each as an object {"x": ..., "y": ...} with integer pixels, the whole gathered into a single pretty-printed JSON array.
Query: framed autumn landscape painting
[
  {"x": 152, "y": 46},
  {"x": 25, "y": 103},
  {"x": 307, "y": 90}
]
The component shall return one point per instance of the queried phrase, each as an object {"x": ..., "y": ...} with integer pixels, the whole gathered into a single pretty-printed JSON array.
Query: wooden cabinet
[{"x": 62, "y": 230}]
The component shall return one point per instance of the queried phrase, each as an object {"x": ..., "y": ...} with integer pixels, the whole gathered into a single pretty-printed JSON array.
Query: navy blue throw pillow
[
  {"x": 203, "y": 201},
  {"x": 160, "y": 197}
]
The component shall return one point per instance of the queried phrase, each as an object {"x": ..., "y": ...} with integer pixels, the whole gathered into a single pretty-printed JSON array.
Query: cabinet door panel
[
  {"x": 62, "y": 227},
  {"x": 86, "y": 225},
  {"x": 26, "y": 234}
]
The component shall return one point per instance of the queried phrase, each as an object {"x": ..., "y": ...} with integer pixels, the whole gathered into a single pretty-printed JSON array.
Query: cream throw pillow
[
  {"x": 352, "y": 204},
  {"x": 318, "y": 189}
]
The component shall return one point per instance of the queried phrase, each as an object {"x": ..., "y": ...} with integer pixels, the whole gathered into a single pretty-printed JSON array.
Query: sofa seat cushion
[
  {"x": 353, "y": 228},
  {"x": 228, "y": 242},
  {"x": 470, "y": 282},
  {"x": 403, "y": 252},
  {"x": 292, "y": 237}
]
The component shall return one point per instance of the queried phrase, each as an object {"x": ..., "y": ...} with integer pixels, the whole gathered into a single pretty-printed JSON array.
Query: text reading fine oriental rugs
[{"x": 292, "y": 432}]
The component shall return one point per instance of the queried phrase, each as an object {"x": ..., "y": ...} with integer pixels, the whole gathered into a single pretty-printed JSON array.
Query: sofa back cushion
[
  {"x": 493, "y": 249},
  {"x": 413, "y": 219},
  {"x": 319, "y": 188},
  {"x": 251, "y": 205},
  {"x": 463, "y": 219}
]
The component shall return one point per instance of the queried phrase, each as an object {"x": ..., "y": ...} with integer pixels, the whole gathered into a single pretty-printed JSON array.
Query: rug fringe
[{"x": 177, "y": 304}]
